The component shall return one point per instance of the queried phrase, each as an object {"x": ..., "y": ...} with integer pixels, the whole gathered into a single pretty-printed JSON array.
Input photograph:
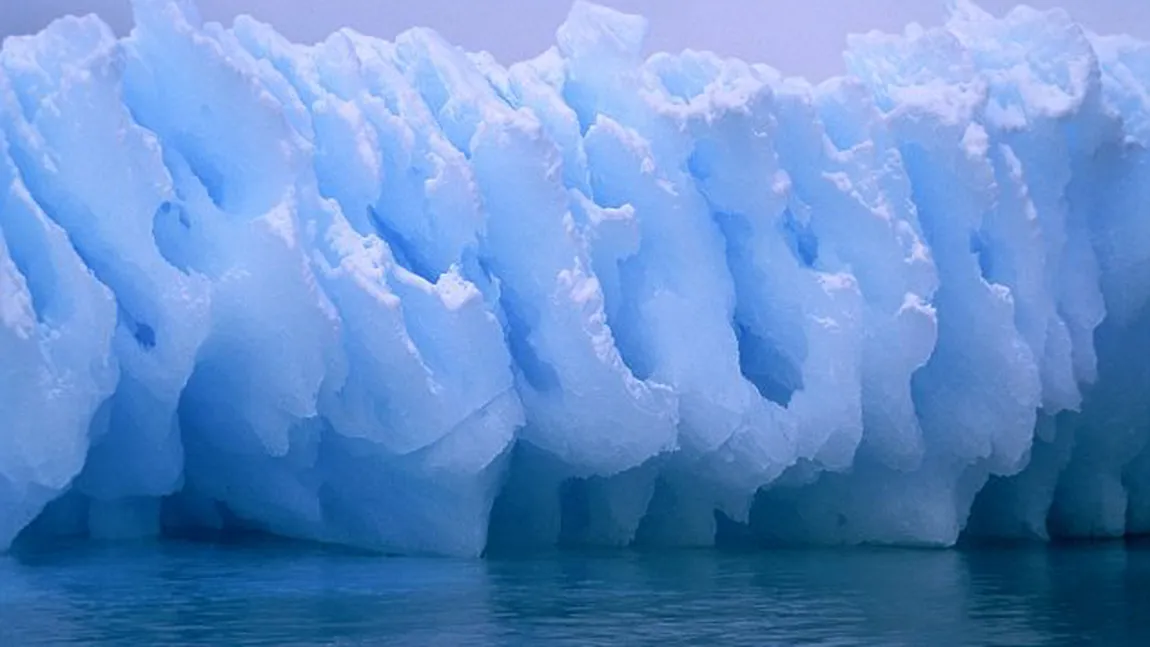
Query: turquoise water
[{"x": 174, "y": 593}]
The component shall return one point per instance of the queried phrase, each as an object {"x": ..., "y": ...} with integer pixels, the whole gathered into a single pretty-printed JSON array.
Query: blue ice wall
[{"x": 395, "y": 295}]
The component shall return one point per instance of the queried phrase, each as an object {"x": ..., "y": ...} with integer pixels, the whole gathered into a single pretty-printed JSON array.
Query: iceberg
[{"x": 397, "y": 296}]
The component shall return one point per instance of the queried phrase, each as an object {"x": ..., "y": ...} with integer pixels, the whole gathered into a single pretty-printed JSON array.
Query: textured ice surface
[{"x": 398, "y": 296}]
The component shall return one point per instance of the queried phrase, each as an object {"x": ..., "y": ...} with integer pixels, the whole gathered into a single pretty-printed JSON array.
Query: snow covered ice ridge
[{"x": 394, "y": 295}]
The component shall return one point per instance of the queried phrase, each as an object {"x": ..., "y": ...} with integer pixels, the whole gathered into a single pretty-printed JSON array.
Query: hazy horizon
[{"x": 798, "y": 37}]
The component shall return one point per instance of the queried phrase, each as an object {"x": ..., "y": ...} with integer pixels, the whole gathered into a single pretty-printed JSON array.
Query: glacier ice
[{"x": 398, "y": 296}]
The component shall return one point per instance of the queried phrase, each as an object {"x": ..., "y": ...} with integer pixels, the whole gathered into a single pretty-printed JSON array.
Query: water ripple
[{"x": 194, "y": 594}]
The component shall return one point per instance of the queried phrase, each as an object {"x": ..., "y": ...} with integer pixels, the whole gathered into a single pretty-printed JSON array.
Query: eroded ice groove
[{"x": 398, "y": 296}]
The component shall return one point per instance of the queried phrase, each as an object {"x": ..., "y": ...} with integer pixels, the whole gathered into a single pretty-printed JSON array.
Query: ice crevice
[{"x": 398, "y": 296}]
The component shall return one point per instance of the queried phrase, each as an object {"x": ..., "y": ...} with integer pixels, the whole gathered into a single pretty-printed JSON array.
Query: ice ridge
[{"x": 398, "y": 296}]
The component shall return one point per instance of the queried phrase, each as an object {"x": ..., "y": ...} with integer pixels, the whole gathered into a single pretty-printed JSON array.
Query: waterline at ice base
[{"x": 397, "y": 296}]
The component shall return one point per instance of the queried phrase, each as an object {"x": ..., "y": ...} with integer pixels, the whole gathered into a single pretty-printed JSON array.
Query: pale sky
[{"x": 801, "y": 37}]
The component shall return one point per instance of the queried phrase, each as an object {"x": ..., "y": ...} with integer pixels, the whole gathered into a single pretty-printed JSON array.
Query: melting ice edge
[{"x": 394, "y": 295}]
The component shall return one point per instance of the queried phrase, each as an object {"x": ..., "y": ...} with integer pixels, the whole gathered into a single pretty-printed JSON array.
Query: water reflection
[{"x": 275, "y": 594}]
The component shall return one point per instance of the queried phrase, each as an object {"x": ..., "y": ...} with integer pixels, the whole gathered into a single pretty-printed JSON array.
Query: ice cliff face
[{"x": 394, "y": 295}]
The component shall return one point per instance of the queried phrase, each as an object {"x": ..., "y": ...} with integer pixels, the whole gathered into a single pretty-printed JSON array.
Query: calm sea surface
[{"x": 174, "y": 593}]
